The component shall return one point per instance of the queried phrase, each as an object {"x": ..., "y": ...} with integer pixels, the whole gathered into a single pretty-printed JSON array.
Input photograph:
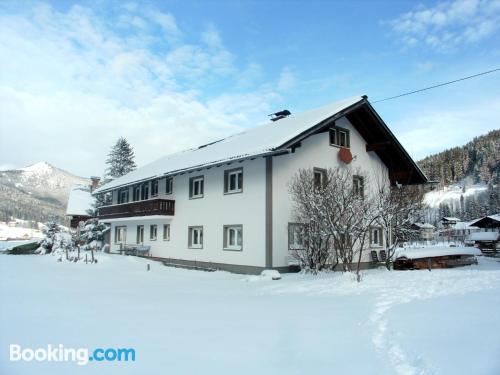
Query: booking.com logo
[{"x": 81, "y": 356}]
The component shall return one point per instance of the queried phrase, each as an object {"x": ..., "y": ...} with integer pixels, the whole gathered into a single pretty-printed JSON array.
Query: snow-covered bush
[
  {"x": 56, "y": 240},
  {"x": 92, "y": 234},
  {"x": 50, "y": 230}
]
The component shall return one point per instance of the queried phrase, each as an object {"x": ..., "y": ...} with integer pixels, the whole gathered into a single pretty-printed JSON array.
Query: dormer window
[{"x": 340, "y": 137}]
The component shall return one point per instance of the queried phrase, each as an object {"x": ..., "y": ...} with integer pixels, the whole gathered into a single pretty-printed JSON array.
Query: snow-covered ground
[
  {"x": 192, "y": 322},
  {"x": 451, "y": 194},
  {"x": 20, "y": 231}
]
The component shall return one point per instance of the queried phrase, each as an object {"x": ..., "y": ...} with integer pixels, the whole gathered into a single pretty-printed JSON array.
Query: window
[
  {"x": 376, "y": 237},
  {"x": 295, "y": 236},
  {"x": 140, "y": 234},
  {"x": 145, "y": 191},
  {"x": 166, "y": 232},
  {"x": 233, "y": 181},
  {"x": 196, "y": 187},
  {"x": 358, "y": 185},
  {"x": 169, "y": 185},
  {"x": 339, "y": 137},
  {"x": 233, "y": 237},
  {"x": 319, "y": 178},
  {"x": 120, "y": 234},
  {"x": 123, "y": 195},
  {"x": 195, "y": 240},
  {"x": 153, "y": 231},
  {"x": 154, "y": 188},
  {"x": 136, "y": 193}
]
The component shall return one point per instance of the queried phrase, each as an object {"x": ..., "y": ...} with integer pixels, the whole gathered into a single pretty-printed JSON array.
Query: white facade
[
  {"x": 247, "y": 230},
  {"x": 315, "y": 152},
  {"x": 246, "y": 209},
  {"x": 212, "y": 212}
]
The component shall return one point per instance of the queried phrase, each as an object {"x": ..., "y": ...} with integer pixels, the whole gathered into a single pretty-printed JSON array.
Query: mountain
[
  {"x": 478, "y": 161},
  {"x": 467, "y": 177},
  {"x": 37, "y": 192}
]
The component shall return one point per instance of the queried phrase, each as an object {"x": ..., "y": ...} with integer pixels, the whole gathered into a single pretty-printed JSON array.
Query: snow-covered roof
[
  {"x": 260, "y": 140},
  {"x": 424, "y": 225},
  {"x": 495, "y": 217},
  {"x": 451, "y": 219},
  {"x": 484, "y": 236},
  {"x": 80, "y": 200},
  {"x": 414, "y": 253}
]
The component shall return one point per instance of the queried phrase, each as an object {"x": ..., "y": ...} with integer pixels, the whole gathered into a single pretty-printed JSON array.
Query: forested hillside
[
  {"x": 468, "y": 179},
  {"x": 479, "y": 160}
]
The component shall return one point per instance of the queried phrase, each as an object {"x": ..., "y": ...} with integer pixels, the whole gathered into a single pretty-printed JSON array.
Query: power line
[{"x": 438, "y": 85}]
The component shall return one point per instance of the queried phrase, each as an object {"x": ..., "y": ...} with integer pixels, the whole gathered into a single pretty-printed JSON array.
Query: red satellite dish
[{"x": 345, "y": 155}]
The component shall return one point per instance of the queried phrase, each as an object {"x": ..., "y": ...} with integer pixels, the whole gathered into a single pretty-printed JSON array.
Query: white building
[{"x": 226, "y": 204}]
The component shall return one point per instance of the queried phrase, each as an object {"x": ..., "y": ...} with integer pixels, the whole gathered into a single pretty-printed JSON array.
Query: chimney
[
  {"x": 279, "y": 115},
  {"x": 94, "y": 183}
]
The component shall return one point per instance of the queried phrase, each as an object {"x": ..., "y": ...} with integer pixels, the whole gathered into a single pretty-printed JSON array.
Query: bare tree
[
  {"x": 336, "y": 213},
  {"x": 399, "y": 207},
  {"x": 308, "y": 237}
]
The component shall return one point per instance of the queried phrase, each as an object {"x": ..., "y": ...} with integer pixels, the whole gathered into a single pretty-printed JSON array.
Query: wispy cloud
[
  {"x": 72, "y": 81},
  {"x": 449, "y": 24},
  {"x": 287, "y": 79},
  {"x": 435, "y": 131}
]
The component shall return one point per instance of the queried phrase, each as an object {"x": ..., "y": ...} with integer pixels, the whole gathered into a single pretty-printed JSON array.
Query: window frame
[
  {"x": 201, "y": 183},
  {"x": 125, "y": 192},
  {"x": 153, "y": 228},
  {"x": 191, "y": 230},
  {"x": 167, "y": 238},
  {"x": 292, "y": 229},
  {"x": 140, "y": 229},
  {"x": 238, "y": 182},
  {"x": 123, "y": 230},
  {"x": 334, "y": 137},
  {"x": 136, "y": 193},
  {"x": 145, "y": 191},
  {"x": 154, "y": 187},
  {"x": 169, "y": 182},
  {"x": 358, "y": 188},
  {"x": 238, "y": 228},
  {"x": 380, "y": 236},
  {"x": 323, "y": 173}
]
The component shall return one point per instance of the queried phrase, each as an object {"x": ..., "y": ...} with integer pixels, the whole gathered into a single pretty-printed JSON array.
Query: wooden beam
[
  {"x": 400, "y": 176},
  {"x": 377, "y": 146}
]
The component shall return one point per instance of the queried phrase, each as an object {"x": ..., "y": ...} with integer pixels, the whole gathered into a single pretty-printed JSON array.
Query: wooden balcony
[{"x": 141, "y": 208}]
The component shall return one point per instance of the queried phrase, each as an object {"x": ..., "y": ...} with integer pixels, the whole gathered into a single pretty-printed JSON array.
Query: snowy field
[{"x": 192, "y": 322}]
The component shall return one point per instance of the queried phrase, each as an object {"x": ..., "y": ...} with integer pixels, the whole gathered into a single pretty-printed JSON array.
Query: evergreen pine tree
[{"x": 120, "y": 160}]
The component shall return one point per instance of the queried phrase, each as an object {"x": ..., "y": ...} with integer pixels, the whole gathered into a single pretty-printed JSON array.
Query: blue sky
[{"x": 74, "y": 76}]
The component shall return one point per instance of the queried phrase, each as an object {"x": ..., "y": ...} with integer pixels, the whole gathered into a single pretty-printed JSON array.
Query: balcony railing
[{"x": 142, "y": 208}]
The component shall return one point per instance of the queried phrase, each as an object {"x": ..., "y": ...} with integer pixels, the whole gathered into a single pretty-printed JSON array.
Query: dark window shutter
[{"x": 226, "y": 182}]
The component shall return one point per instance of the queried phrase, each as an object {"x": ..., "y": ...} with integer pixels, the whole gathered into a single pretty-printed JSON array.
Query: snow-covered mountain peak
[{"x": 42, "y": 167}]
